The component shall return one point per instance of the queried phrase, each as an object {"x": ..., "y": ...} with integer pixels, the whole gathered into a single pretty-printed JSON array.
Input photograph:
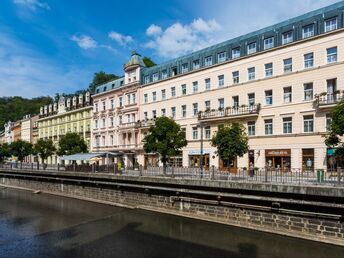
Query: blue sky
[{"x": 50, "y": 46}]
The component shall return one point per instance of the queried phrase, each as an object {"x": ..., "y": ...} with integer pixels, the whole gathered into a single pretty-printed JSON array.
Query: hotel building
[
  {"x": 67, "y": 115},
  {"x": 280, "y": 82}
]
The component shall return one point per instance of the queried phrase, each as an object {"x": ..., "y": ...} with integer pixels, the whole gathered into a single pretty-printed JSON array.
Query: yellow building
[{"x": 66, "y": 115}]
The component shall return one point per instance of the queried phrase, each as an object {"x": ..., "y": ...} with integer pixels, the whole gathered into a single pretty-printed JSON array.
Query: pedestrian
[{"x": 251, "y": 169}]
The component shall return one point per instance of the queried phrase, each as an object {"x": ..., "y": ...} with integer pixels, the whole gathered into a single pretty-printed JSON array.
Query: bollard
[{"x": 212, "y": 172}]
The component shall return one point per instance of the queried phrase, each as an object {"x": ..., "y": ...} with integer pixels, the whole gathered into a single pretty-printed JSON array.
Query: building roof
[
  {"x": 296, "y": 24},
  {"x": 135, "y": 60},
  {"x": 114, "y": 84}
]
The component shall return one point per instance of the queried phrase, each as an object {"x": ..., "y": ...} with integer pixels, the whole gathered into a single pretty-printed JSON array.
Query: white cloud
[
  {"x": 84, "y": 41},
  {"x": 32, "y": 4},
  {"x": 121, "y": 39},
  {"x": 153, "y": 30},
  {"x": 179, "y": 39}
]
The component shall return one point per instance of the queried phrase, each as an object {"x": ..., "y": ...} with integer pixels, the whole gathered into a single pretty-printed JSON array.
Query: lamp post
[{"x": 201, "y": 156}]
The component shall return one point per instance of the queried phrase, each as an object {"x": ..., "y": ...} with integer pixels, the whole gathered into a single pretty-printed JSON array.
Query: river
[{"x": 43, "y": 225}]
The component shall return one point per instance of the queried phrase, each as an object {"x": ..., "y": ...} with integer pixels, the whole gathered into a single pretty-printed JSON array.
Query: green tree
[
  {"x": 44, "y": 149},
  {"x": 148, "y": 62},
  {"x": 100, "y": 78},
  {"x": 4, "y": 151},
  {"x": 21, "y": 149},
  {"x": 164, "y": 138},
  {"x": 231, "y": 141},
  {"x": 70, "y": 144},
  {"x": 336, "y": 131}
]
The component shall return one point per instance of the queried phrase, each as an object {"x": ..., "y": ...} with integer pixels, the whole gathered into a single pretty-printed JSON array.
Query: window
[
  {"x": 331, "y": 24},
  {"x": 173, "y": 91},
  {"x": 268, "y": 127},
  {"x": 207, "y": 104},
  {"x": 207, "y": 84},
  {"x": 235, "y": 100},
  {"x": 251, "y": 73},
  {"x": 185, "y": 68},
  {"x": 268, "y": 70},
  {"x": 252, "y": 48},
  {"x": 183, "y": 110},
  {"x": 173, "y": 112},
  {"x": 236, "y": 77},
  {"x": 195, "y": 109},
  {"x": 207, "y": 132},
  {"x": 328, "y": 122},
  {"x": 194, "y": 133},
  {"x": 221, "y": 57},
  {"x": 120, "y": 120},
  {"x": 155, "y": 77},
  {"x": 163, "y": 94},
  {"x": 111, "y": 121},
  {"x": 287, "y": 95},
  {"x": 268, "y": 97},
  {"x": 184, "y": 89},
  {"x": 129, "y": 99},
  {"x": 111, "y": 140},
  {"x": 221, "y": 80},
  {"x": 308, "y": 31},
  {"x": 287, "y": 125},
  {"x": 154, "y": 113},
  {"x": 96, "y": 124},
  {"x": 309, "y": 60},
  {"x": 195, "y": 87},
  {"x": 103, "y": 124},
  {"x": 308, "y": 124},
  {"x": 133, "y": 96},
  {"x": 174, "y": 71},
  {"x": 221, "y": 103},
  {"x": 104, "y": 105},
  {"x": 145, "y": 114},
  {"x": 251, "y": 128},
  {"x": 163, "y": 112},
  {"x": 287, "y": 37},
  {"x": 269, "y": 43},
  {"x": 288, "y": 65},
  {"x": 195, "y": 64},
  {"x": 236, "y": 52},
  {"x": 308, "y": 91},
  {"x": 332, "y": 55},
  {"x": 251, "y": 99},
  {"x": 208, "y": 61},
  {"x": 128, "y": 118},
  {"x": 164, "y": 74},
  {"x": 145, "y": 97},
  {"x": 146, "y": 79},
  {"x": 120, "y": 101},
  {"x": 96, "y": 107},
  {"x": 154, "y": 95},
  {"x": 112, "y": 103}
]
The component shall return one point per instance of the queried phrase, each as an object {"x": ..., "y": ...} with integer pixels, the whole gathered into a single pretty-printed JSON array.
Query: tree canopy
[
  {"x": 44, "y": 148},
  {"x": 164, "y": 138},
  {"x": 148, "y": 62},
  {"x": 100, "y": 78},
  {"x": 21, "y": 149},
  {"x": 70, "y": 144},
  {"x": 231, "y": 141},
  {"x": 4, "y": 151}
]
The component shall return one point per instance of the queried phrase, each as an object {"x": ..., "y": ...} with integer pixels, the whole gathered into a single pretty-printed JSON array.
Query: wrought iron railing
[{"x": 229, "y": 112}]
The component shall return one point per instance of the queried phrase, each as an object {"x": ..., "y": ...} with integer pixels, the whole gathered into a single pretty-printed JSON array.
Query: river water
[{"x": 43, "y": 225}]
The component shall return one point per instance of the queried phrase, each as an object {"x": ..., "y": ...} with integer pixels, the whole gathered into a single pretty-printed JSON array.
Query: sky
[{"x": 55, "y": 46}]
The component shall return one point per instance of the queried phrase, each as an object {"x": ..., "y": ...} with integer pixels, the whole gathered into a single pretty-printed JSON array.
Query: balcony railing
[
  {"x": 128, "y": 125},
  {"x": 229, "y": 112},
  {"x": 328, "y": 99},
  {"x": 146, "y": 123}
]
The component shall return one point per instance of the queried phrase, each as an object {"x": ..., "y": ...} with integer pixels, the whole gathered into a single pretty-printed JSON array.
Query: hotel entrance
[
  {"x": 278, "y": 159},
  {"x": 151, "y": 160},
  {"x": 225, "y": 165},
  {"x": 195, "y": 161}
]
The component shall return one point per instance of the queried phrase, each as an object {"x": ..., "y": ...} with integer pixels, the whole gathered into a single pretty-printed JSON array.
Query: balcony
[
  {"x": 146, "y": 123},
  {"x": 328, "y": 100},
  {"x": 128, "y": 125},
  {"x": 229, "y": 113}
]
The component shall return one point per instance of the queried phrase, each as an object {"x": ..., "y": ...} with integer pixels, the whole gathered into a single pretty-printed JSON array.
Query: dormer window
[
  {"x": 331, "y": 24},
  {"x": 174, "y": 71},
  {"x": 164, "y": 74},
  {"x": 184, "y": 68},
  {"x": 195, "y": 64},
  {"x": 308, "y": 31},
  {"x": 155, "y": 77},
  {"x": 287, "y": 37},
  {"x": 208, "y": 61},
  {"x": 252, "y": 48},
  {"x": 146, "y": 79},
  {"x": 236, "y": 52},
  {"x": 269, "y": 43},
  {"x": 221, "y": 57}
]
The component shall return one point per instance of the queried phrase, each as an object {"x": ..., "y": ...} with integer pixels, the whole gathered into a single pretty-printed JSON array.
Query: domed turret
[{"x": 135, "y": 60}]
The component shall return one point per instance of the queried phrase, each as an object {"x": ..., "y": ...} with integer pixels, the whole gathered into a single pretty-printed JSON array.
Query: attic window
[
  {"x": 113, "y": 85},
  {"x": 174, "y": 71},
  {"x": 105, "y": 88},
  {"x": 97, "y": 90}
]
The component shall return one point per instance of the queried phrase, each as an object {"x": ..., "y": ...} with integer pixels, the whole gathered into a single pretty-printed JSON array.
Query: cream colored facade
[
  {"x": 71, "y": 115},
  {"x": 27, "y": 132},
  {"x": 299, "y": 109}
]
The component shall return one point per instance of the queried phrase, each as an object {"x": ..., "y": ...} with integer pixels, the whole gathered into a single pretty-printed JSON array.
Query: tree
[
  {"x": 21, "y": 149},
  {"x": 44, "y": 149},
  {"x": 148, "y": 62},
  {"x": 100, "y": 78},
  {"x": 164, "y": 138},
  {"x": 4, "y": 151},
  {"x": 231, "y": 141},
  {"x": 333, "y": 138},
  {"x": 70, "y": 144}
]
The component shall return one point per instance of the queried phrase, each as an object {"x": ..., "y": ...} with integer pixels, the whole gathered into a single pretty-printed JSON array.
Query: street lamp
[{"x": 201, "y": 154}]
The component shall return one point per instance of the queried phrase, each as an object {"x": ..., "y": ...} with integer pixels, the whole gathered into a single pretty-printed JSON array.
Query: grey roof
[
  {"x": 135, "y": 59},
  {"x": 110, "y": 85},
  {"x": 316, "y": 17}
]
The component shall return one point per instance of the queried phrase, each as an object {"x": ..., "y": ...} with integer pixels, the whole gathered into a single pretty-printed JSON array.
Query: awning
[{"x": 88, "y": 156}]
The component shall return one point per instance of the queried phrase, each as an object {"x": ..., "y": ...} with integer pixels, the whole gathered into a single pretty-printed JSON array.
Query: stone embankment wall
[{"x": 297, "y": 217}]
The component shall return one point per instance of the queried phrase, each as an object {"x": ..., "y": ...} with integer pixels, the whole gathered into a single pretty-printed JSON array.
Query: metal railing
[
  {"x": 229, "y": 112},
  {"x": 266, "y": 175},
  {"x": 329, "y": 98}
]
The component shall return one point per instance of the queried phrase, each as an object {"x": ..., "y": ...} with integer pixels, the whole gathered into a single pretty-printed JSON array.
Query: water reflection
[{"x": 50, "y": 226}]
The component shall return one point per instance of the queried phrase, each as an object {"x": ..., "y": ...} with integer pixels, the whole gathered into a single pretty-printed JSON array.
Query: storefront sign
[
  {"x": 198, "y": 152},
  {"x": 278, "y": 152}
]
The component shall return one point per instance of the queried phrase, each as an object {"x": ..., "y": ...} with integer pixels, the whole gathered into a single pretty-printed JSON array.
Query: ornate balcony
[
  {"x": 229, "y": 113},
  {"x": 128, "y": 125},
  {"x": 146, "y": 123},
  {"x": 328, "y": 100}
]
